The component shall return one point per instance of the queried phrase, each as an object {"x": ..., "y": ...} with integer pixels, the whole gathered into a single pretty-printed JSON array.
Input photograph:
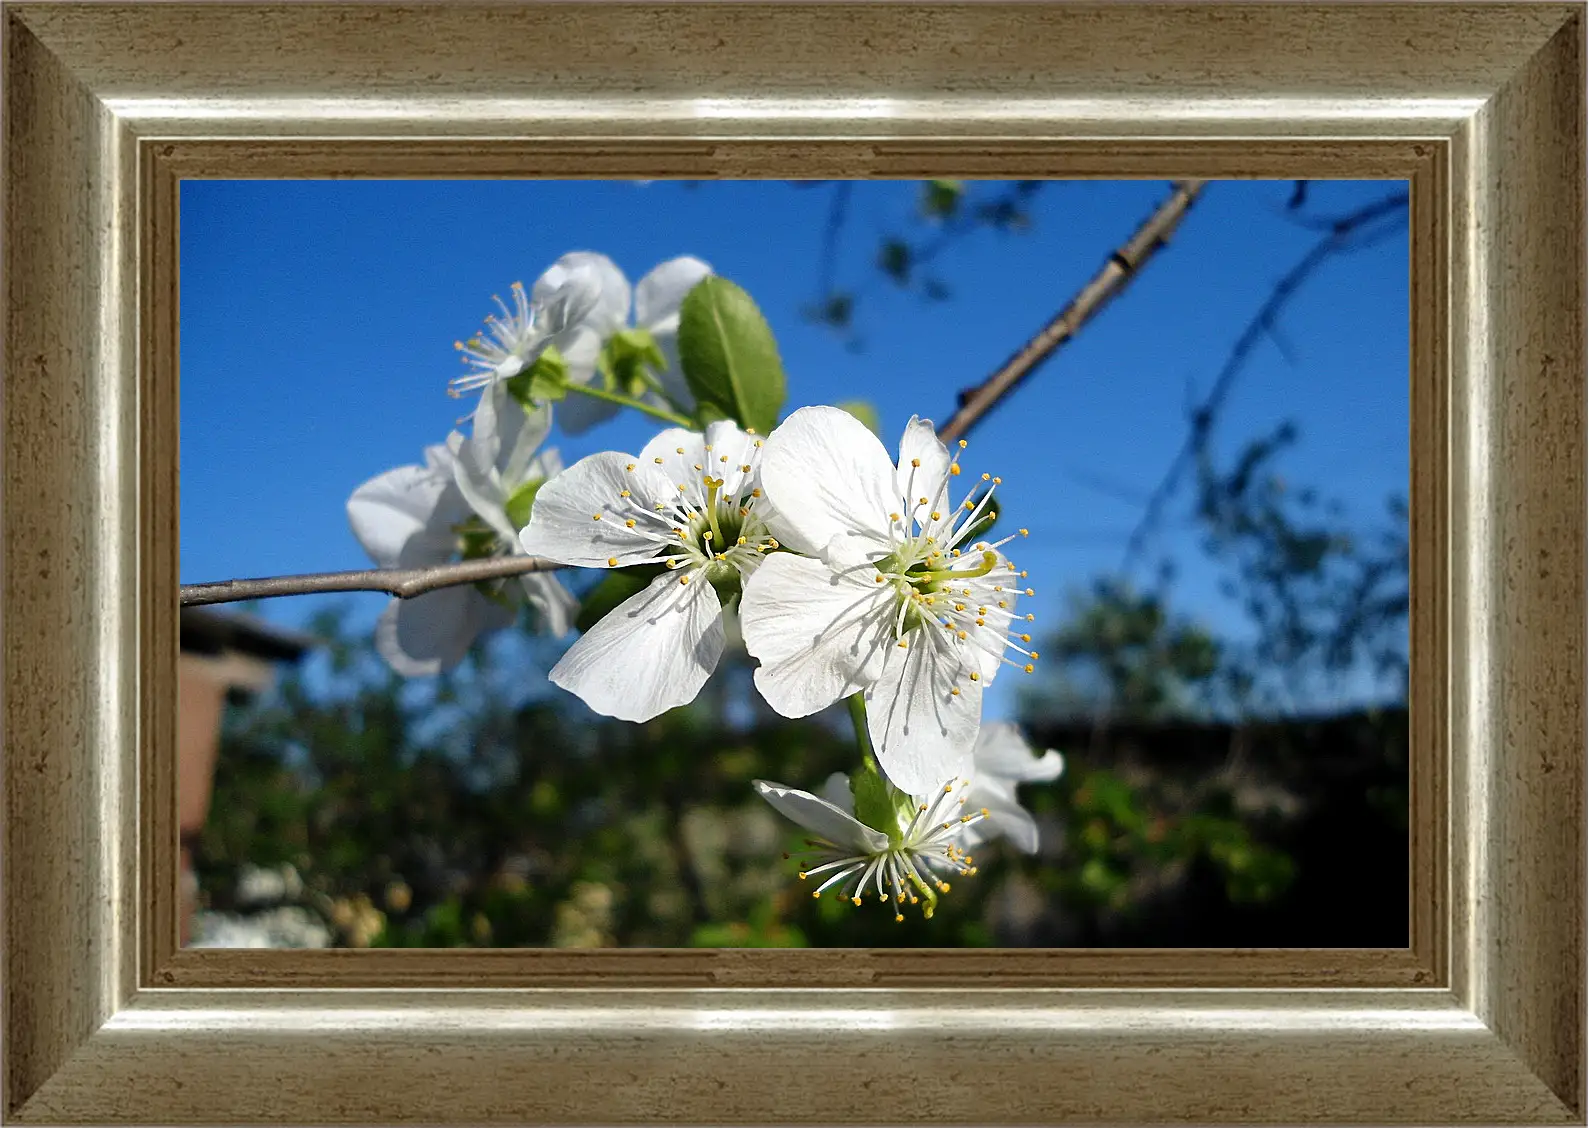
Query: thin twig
[
  {"x": 404, "y": 583},
  {"x": 1123, "y": 265},
  {"x": 1345, "y": 233}
]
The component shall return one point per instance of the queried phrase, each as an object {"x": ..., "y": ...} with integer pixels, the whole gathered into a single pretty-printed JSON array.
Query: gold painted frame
[{"x": 106, "y": 106}]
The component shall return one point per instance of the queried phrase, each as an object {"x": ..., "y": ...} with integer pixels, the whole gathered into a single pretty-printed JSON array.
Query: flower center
[{"x": 969, "y": 593}]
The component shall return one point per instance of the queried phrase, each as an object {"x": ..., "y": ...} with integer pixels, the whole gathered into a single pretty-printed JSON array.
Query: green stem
[
  {"x": 639, "y": 405},
  {"x": 656, "y": 386},
  {"x": 863, "y": 736}
]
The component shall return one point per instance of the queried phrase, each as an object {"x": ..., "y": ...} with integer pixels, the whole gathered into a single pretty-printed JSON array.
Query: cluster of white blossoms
[
  {"x": 853, "y": 575},
  {"x": 472, "y": 495}
]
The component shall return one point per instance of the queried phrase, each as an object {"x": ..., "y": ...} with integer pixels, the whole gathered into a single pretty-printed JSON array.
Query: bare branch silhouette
[{"x": 1353, "y": 231}]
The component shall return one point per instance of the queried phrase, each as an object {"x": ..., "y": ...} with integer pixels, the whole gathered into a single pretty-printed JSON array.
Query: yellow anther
[
  {"x": 756, "y": 492},
  {"x": 623, "y": 493},
  {"x": 708, "y": 448},
  {"x": 903, "y": 645},
  {"x": 855, "y": 900},
  {"x": 935, "y": 515},
  {"x": 986, "y": 477},
  {"x": 916, "y": 462},
  {"x": 998, "y": 481},
  {"x": 1023, "y": 573},
  {"x": 960, "y": 634},
  {"x": 954, "y": 552},
  {"x": 721, "y": 457},
  {"x": 612, "y": 562},
  {"x": 898, "y": 917},
  {"x": 948, "y": 787},
  {"x": 893, "y": 516},
  {"x": 1033, "y": 655},
  {"x": 1029, "y": 591},
  {"x": 741, "y": 540},
  {"x": 658, "y": 461},
  {"x": 982, "y": 622},
  {"x": 975, "y": 676},
  {"x": 815, "y": 893},
  {"x": 1030, "y": 667},
  {"x": 968, "y": 504},
  {"x": 629, "y": 523},
  {"x": 681, "y": 489},
  {"x": 879, "y": 579},
  {"x": 954, "y": 469},
  {"x": 1031, "y": 618},
  {"x": 921, "y": 501},
  {"x": 1024, "y": 532},
  {"x": 630, "y": 467},
  {"x": 1003, "y": 604},
  {"x": 595, "y": 516},
  {"x": 684, "y": 579},
  {"x": 758, "y": 441},
  {"x": 698, "y": 466},
  {"x": 943, "y": 887},
  {"x": 678, "y": 450},
  {"x": 1026, "y": 638},
  {"x": 984, "y": 815},
  {"x": 998, "y": 587},
  {"x": 962, "y": 444},
  {"x": 802, "y": 875},
  {"x": 772, "y": 542}
]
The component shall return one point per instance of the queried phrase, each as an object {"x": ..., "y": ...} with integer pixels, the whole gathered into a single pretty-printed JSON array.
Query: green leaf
[
  {"x": 865, "y": 412},
  {"x": 615, "y": 587},
  {"x": 728, "y": 354},
  {"x": 521, "y": 501}
]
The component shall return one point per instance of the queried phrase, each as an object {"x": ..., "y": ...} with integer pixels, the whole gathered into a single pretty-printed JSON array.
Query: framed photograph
[{"x": 197, "y": 186}]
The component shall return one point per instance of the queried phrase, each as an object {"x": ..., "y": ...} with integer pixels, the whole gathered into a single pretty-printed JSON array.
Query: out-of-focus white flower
[
  {"x": 564, "y": 299},
  {"x": 884, "y": 600},
  {"x": 688, "y": 501},
  {"x": 1000, "y": 761},
  {"x": 655, "y": 304},
  {"x": 912, "y": 857},
  {"x": 421, "y": 516}
]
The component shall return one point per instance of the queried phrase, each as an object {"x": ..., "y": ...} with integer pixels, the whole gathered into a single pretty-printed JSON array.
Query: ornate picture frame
[{"x": 108, "y": 106}]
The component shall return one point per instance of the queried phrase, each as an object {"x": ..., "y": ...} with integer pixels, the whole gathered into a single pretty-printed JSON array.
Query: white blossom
[
  {"x": 914, "y": 856},
  {"x": 413, "y": 517},
  {"x": 885, "y": 593},
  {"x": 689, "y": 502},
  {"x": 1001, "y": 760},
  {"x": 566, "y": 308},
  {"x": 654, "y": 302}
]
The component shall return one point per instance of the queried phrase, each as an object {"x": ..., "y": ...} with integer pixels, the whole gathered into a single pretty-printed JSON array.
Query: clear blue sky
[{"x": 318, "y": 320}]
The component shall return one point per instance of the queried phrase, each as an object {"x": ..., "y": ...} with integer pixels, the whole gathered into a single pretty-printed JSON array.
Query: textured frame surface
[{"x": 106, "y": 107}]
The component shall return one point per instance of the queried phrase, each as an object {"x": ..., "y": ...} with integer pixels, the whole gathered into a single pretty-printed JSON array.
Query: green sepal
[
  {"x": 545, "y": 381},
  {"x": 879, "y": 804},
  {"x": 476, "y": 539}
]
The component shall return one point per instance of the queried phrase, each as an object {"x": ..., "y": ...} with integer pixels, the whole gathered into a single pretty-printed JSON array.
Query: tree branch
[
  {"x": 1123, "y": 265},
  {"x": 405, "y": 583}
]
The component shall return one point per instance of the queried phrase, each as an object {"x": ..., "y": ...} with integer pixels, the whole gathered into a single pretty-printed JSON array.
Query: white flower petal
[
  {"x": 563, "y": 524},
  {"x": 1002, "y": 751},
  {"x": 922, "y": 733},
  {"x": 403, "y": 517},
  {"x": 827, "y": 475},
  {"x": 659, "y": 294},
  {"x": 837, "y": 791},
  {"x": 818, "y": 636},
  {"x": 680, "y": 457},
  {"x": 583, "y": 287},
  {"x": 928, "y": 480},
  {"x": 821, "y": 817},
  {"x": 1006, "y": 819},
  {"x": 732, "y": 451},
  {"x": 432, "y": 632},
  {"x": 651, "y": 653},
  {"x": 518, "y": 433},
  {"x": 554, "y": 603},
  {"x": 475, "y": 471}
]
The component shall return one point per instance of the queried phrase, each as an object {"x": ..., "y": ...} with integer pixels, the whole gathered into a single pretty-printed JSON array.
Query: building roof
[{"x": 205, "y": 630}]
